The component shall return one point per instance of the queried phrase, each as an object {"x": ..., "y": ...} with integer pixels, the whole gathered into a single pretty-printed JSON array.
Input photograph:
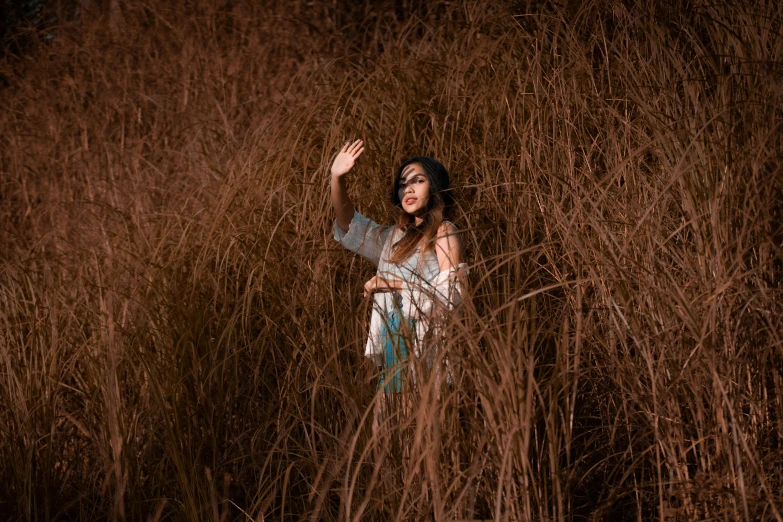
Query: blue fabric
[{"x": 395, "y": 352}]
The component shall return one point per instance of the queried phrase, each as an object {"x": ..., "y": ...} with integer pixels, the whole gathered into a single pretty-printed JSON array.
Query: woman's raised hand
[{"x": 345, "y": 159}]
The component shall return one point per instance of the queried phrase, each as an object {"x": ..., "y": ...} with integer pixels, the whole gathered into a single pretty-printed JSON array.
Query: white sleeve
[{"x": 364, "y": 237}]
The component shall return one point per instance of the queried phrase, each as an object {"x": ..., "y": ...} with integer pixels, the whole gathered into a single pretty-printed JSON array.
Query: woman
[{"x": 418, "y": 260}]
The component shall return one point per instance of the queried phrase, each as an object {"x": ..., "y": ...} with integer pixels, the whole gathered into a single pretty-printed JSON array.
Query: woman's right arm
[
  {"x": 343, "y": 163},
  {"x": 354, "y": 231}
]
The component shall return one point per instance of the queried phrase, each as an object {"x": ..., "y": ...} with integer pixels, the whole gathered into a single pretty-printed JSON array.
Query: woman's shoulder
[
  {"x": 447, "y": 228},
  {"x": 448, "y": 238}
]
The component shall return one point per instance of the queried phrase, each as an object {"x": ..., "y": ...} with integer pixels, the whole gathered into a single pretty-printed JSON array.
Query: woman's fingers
[
  {"x": 369, "y": 287},
  {"x": 355, "y": 149}
]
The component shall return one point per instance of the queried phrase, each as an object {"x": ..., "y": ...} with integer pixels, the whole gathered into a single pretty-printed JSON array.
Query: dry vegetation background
[{"x": 181, "y": 337}]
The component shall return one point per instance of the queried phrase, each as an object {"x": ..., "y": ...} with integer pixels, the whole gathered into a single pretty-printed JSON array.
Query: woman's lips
[{"x": 410, "y": 201}]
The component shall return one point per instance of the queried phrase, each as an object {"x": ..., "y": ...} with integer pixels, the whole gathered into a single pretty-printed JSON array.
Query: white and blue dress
[{"x": 400, "y": 320}]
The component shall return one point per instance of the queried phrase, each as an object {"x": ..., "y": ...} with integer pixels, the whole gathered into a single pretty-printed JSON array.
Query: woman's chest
[{"x": 420, "y": 265}]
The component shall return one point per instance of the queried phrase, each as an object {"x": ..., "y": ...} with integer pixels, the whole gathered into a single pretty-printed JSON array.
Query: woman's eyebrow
[{"x": 406, "y": 172}]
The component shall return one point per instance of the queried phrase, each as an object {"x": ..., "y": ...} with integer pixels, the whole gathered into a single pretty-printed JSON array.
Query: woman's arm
[
  {"x": 448, "y": 247},
  {"x": 382, "y": 284},
  {"x": 444, "y": 292},
  {"x": 343, "y": 163}
]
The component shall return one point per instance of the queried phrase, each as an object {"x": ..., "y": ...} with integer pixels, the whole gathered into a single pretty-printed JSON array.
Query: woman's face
[{"x": 413, "y": 189}]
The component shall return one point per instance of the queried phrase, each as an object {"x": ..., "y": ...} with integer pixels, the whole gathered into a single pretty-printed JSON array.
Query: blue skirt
[{"x": 393, "y": 339}]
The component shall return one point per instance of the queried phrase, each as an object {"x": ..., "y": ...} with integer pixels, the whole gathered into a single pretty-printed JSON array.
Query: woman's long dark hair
[{"x": 433, "y": 213}]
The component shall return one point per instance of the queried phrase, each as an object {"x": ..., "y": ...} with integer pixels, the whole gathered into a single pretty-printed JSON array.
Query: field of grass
[{"x": 181, "y": 338}]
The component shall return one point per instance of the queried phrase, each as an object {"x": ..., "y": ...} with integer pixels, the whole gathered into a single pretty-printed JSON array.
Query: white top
[{"x": 427, "y": 287}]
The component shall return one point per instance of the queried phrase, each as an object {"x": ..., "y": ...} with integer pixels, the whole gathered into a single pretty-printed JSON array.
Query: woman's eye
[{"x": 411, "y": 182}]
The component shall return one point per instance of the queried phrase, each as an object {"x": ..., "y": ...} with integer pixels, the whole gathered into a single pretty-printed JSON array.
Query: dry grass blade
[{"x": 173, "y": 308}]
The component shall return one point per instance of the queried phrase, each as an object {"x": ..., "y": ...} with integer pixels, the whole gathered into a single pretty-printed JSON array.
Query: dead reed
[{"x": 181, "y": 337}]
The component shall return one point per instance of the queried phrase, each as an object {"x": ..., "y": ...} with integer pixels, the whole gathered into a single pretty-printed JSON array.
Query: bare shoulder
[
  {"x": 448, "y": 239},
  {"x": 448, "y": 246},
  {"x": 448, "y": 236},
  {"x": 446, "y": 229}
]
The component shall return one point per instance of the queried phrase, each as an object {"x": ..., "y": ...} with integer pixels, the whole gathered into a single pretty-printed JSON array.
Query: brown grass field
[{"x": 181, "y": 339}]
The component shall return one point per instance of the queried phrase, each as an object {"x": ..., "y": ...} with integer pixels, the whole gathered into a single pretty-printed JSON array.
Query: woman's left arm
[
  {"x": 448, "y": 247},
  {"x": 444, "y": 292}
]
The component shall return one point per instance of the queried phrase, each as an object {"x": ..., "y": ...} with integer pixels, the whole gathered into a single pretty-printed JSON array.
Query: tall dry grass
[{"x": 181, "y": 338}]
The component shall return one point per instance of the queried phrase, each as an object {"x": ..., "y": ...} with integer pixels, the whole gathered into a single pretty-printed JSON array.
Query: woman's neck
[{"x": 417, "y": 220}]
